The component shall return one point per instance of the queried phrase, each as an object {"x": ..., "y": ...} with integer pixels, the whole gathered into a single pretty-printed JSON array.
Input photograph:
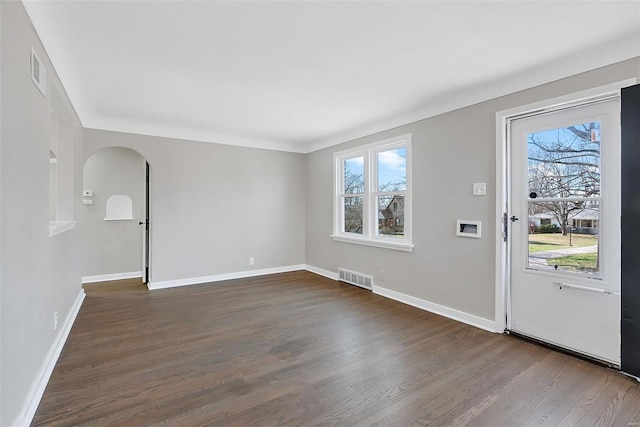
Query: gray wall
[
  {"x": 450, "y": 152},
  {"x": 213, "y": 206},
  {"x": 40, "y": 275},
  {"x": 1, "y": 235},
  {"x": 111, "y": 247}
]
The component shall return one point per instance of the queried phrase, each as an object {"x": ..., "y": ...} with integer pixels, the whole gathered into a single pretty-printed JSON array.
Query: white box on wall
[
  {"x": 38, "y": 73},
  {"x": 466, "y": 228}
]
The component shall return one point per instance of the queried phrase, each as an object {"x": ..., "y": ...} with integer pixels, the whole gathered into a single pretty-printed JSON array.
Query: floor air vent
[{"x": 354, "y": 278}]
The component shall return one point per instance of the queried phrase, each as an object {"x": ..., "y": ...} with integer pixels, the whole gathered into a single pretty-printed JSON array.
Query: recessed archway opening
[{"x": 116, "y": 216}]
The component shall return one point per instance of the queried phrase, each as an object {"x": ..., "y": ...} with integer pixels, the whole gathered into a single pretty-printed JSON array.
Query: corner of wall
[{"x": 46, "y": 369}]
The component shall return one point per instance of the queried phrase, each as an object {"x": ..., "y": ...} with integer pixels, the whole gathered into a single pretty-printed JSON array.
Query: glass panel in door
[{"x": 564, "y": 193}]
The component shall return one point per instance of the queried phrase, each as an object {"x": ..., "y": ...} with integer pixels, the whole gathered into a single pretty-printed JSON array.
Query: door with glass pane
[{"x": 565, "y": 229}]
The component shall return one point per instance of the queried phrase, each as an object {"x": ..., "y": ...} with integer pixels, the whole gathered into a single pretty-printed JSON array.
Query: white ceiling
[{"x": 299, "y": 76}]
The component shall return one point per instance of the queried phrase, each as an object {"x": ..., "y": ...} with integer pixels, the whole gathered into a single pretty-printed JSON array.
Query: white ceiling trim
[
  {"x": 193, "y": 135},
  {"x": 612, "y": 52},
  {"x": 451, "y": 98},
  {"x": 615, "y": 51}
]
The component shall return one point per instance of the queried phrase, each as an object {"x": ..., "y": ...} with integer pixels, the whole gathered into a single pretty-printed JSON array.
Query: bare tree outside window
[
  {"x": 564, "y": 163},
  {"x": 353, "y": 182},
  {"x": 563, "y": 167},
  {"x": 373, "y": 196},
  {"x": 391, "y": 185}
]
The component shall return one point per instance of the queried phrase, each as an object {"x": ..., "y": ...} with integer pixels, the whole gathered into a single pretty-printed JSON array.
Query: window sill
[
  {"x": 405, "y": 247},
  {"x": 59, "y": 227}
]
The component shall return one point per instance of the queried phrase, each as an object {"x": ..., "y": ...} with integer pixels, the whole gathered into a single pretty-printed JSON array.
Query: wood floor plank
[{"x": 297, "y": 349}]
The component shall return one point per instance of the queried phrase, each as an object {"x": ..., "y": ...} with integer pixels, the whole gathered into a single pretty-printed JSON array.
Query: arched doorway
[{"x": 115, "y": 220}]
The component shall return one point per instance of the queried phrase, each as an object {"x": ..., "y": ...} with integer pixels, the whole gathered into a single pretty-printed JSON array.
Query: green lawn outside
[
  {"x": 579, "y": 262},
  {"x": 547, "y": 242}
]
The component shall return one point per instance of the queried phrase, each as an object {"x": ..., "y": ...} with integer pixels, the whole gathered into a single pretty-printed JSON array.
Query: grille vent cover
[{"x": 355, "y": 278}]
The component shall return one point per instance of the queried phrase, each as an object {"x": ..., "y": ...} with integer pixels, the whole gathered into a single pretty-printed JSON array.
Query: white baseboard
[
  {"x": 46, "y": 369},
  {"x": 451, "y": 313},
  {"x": 631, "y": 376},
  {"x": 321, "y": 271},
  {"x": 219, "y": 277},
  {"x": 108, "y": 277}
]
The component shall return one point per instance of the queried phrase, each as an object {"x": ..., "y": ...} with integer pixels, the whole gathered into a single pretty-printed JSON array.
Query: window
[
  {"x": 61, "y": 159},
  {"x": 372, "y": 204}
]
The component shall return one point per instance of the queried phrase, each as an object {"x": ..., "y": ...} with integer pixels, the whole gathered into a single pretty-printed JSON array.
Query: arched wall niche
[{"x": 119, "y": 207}]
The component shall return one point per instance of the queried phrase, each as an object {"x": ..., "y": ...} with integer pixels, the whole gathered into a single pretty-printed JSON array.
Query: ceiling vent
[{"x": 38, "y": 73}]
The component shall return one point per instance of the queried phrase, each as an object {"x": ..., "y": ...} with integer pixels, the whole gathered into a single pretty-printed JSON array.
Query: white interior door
[{"x": 565, "y": 229}]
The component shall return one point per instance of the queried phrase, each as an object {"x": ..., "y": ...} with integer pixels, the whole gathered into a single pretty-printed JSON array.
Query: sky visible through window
[
  {"x": 354, "y": 175},
  {"x": 564, "y": 168},
  {"x": 565, "y": 162},
  {"x": 392, "y": 170}
]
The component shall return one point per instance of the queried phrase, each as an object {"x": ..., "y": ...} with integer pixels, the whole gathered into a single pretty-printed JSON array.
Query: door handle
[
  {"x": 514, "y": 218},
  {"x": 140, "y": 223}
]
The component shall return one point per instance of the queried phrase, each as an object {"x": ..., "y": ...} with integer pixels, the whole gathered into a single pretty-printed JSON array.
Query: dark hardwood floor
[{"x": 299, "y": 349}]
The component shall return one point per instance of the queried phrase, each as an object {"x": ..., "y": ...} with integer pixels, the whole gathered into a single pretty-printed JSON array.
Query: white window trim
[{"x": 369, "y": 236}]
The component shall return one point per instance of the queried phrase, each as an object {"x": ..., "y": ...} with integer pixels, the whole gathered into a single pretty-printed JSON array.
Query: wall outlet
[
  {"x": 251, "y": 261},
  {"x": 55, "y": 320}
]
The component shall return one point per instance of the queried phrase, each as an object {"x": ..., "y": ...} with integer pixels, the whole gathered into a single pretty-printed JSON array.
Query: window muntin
[{"x": 372, "y": 200}]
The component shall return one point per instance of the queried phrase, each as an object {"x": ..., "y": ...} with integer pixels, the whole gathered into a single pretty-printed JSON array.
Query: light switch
[{"x": 480, "y": 189}]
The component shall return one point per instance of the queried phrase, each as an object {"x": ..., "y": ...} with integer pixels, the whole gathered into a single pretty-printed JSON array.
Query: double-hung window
[{"x": 372, "y": 204}]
